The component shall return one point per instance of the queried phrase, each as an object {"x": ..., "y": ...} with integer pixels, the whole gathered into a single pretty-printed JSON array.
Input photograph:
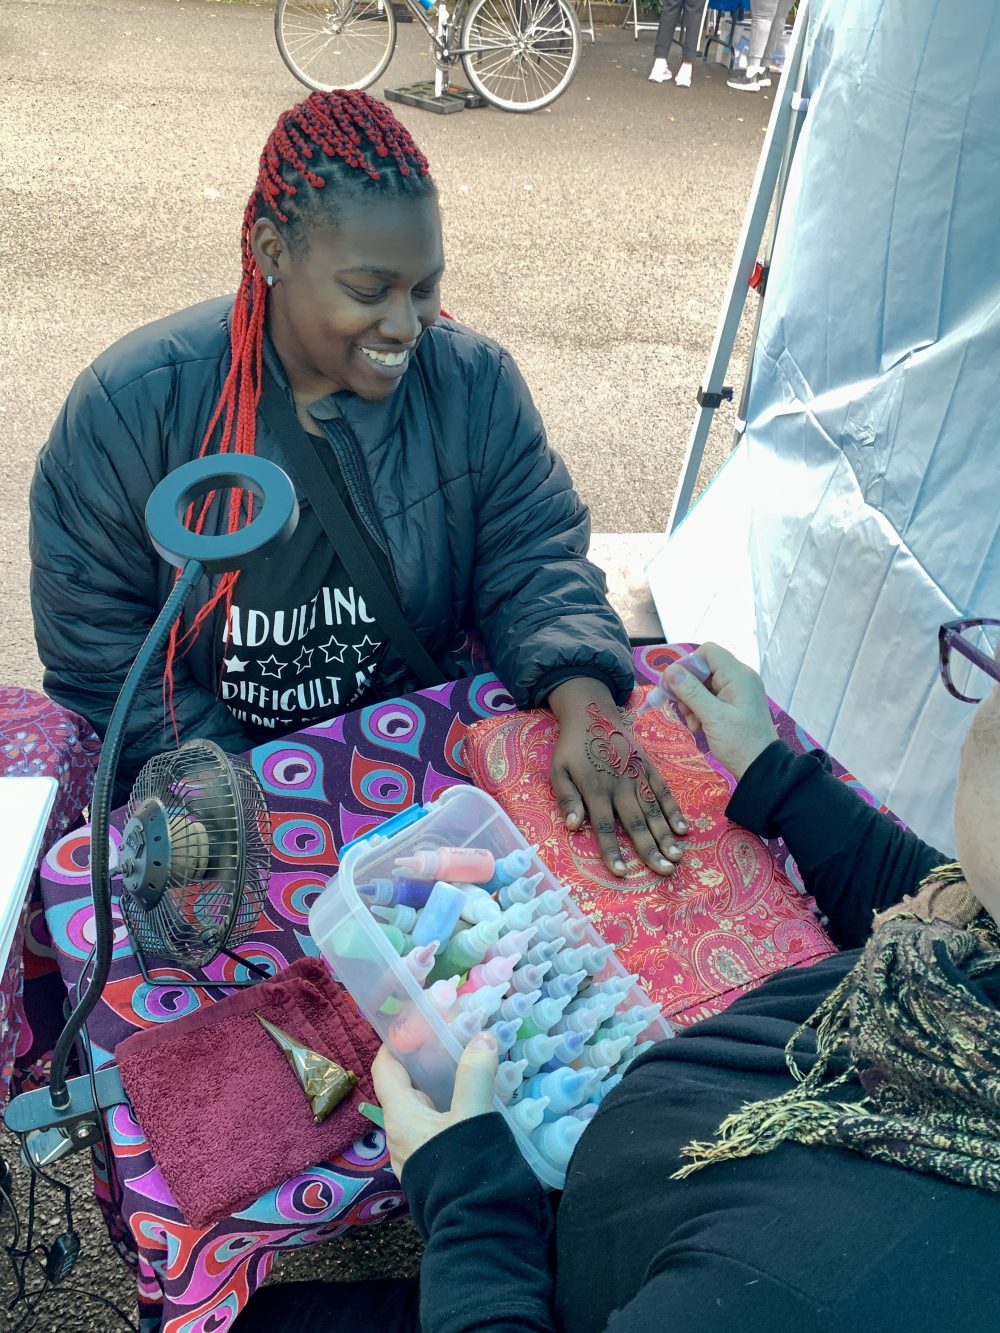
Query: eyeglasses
[{"x": 967, "y": 657}]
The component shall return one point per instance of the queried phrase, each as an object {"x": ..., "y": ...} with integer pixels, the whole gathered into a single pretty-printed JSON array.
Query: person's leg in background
[
  {"x": 767, "y": 20},
  {"x": 777, "y": 32},
  {"x": 388, "y": 1305},
  {"x": 669, "y": 15},
  {"x": 693, "y": 11}
]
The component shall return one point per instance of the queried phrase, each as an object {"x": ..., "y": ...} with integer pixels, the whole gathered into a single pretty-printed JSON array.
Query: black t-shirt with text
[{"x": 300, "y": 645}]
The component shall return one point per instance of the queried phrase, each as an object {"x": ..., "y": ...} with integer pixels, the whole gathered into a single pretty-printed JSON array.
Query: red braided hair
[{"x": 334, "y": 133}]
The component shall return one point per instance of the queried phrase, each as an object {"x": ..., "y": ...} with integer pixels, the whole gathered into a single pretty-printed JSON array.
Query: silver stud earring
[{"x": 270, "y": 279}]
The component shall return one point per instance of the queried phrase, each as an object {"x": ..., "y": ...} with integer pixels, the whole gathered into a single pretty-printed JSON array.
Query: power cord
[
  {"x": 51, "y": 1263},
  {"x": 57, "y": 1261}
]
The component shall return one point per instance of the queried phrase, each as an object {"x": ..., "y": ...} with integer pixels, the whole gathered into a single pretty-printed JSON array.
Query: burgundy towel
[{"x": 224, "y": 1114}]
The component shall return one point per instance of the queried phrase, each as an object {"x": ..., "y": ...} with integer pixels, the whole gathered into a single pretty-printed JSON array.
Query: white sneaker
[
  {"x": 746, "y": 82},
  {"x": 660, "y": 72},
  {"x": 683, "y": 79}
]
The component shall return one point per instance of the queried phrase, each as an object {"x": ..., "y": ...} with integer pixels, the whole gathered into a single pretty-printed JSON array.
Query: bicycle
[{"x": 520, "y": 55}]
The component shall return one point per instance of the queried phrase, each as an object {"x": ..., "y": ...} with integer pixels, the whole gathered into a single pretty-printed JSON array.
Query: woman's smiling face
[{"x": 348, "y": 306}]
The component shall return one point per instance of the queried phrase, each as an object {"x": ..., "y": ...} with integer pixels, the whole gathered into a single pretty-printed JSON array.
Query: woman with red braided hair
[{"x": 426, "y": 430}]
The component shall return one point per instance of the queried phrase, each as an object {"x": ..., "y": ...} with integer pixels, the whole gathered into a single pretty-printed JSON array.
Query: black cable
[
  {"x": 12, "y": 1206},
  {"x": 66, "y": 1190},
  {"x": 31, "y": 1230},
  {"x": 101, "y": 807},
  {"x": 32, "y": 1298},
  {"x": 90, "y": 1296},
  {"x": 22, "y": 1254},
  {"x": 32, "y": 1301}
]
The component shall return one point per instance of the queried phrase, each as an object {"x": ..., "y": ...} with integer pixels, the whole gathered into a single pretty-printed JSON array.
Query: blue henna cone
[
  {"x": 515, "y": 942},
  {"x": 644, "y": 1012},
  {"x": 528, "y": 1113},
  {"x": 552, "y": 900},
  {"x": 439, "y": 917},
  {"x": 522, "y": 890},
  {"x": 396, "y": 892},
  {"x": 606, "y": 1052},
  {"x": 564, "y": 1088},
  {"x": 572, "y": 1044},
  {"x": 550, "y": 927},
  {"x": 606, "y": 1085},
  {"x": 536, "y": 1050},
  {"x": 546, "y": 1013},
  {"x": 511, "y": 867},
  {"x": 510, "y": 1076},
  {"x": 557, "y": 1140},
  {"x": 505, "y": 1034},
  {"x": 544, "y": 951},
  {"x": 566, "y": 983},
  {"x": 519, "y": 1005}
]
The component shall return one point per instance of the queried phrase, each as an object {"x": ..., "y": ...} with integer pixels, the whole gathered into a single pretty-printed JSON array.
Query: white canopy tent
[{"x": 860, "y": 507}]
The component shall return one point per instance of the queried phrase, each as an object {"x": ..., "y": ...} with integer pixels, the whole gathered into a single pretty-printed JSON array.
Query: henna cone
[{"x": 324, "y": 1082}]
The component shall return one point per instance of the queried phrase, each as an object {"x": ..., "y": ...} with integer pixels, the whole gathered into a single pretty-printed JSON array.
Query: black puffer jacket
[{"x": 452, "y": 474}]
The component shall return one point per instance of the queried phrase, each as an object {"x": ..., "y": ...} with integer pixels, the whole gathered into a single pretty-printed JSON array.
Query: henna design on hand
[{"x": 612, "y": 751}]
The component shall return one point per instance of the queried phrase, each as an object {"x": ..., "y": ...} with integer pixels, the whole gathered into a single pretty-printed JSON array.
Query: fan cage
[{"x": 209, "y": 903}]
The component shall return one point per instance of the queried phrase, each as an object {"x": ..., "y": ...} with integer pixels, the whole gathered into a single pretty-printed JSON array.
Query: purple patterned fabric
[
  {"x": 38, "y": 738},
  {"x": 325, "y": 786}
]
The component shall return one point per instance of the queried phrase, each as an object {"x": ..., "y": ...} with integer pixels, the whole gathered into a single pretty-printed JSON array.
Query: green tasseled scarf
[{"x": 924, "y": 1047}]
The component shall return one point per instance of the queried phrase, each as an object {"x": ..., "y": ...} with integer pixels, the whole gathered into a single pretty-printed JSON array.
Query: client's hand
[
  {"x": 731, "y": 707},
  {"x": 410, "y": 1119},
  {"x": 598, "y": 770}
]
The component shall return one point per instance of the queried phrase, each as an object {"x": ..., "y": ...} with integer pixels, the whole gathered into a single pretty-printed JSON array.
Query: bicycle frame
[
  {"x": 442, "y": 34},
  {"x": 518, "y": 55}
]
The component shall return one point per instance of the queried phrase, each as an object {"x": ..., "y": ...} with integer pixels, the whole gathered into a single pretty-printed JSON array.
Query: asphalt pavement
[{"x": 593, "y": 239}]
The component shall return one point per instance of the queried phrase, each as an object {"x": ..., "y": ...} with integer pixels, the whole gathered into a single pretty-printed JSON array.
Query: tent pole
[
  {"x": 791, "y": 142},
  {"x": 769, "y": 182}
]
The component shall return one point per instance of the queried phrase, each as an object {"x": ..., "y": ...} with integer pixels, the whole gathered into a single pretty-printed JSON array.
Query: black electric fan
[{"x": 194, "y": 857}]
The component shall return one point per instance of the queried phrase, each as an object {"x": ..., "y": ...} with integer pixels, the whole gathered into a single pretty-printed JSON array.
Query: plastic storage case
[{"x": 363, "y": 958}]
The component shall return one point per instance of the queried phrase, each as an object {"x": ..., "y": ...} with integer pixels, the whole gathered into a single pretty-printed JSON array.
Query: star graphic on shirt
[
  {"x": 372, "y": 645},
  {"x": 304, "y": 660},
  {"x": 277, "y": 669},
  {"x": 234, "y": 663},
  {"x": 328, "y": 650}
]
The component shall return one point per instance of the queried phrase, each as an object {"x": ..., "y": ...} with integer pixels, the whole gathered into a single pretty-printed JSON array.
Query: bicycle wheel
[
  {"x": 335, "y": 43},
  {"x": 520, "y": 54}
]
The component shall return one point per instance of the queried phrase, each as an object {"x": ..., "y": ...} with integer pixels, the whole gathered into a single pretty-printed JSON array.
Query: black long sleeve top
[{"x": 800, "y": 1238}]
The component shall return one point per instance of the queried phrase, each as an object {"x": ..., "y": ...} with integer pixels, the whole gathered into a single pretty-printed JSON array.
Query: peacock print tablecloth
[
  {"x": 325, "y": 786},
  {"x": 38, "y": 738}
]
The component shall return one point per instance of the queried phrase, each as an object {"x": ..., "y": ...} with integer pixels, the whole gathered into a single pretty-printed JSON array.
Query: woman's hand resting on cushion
[{"x": 599, "y": 771}]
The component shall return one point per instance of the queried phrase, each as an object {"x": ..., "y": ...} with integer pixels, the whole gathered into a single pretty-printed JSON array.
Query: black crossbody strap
[{"x": 340, "y": 527}]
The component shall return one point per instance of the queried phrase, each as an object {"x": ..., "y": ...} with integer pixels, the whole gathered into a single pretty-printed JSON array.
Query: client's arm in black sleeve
[
  {"x": 853, "y": 859},
  {"x": 487, "y": 1227}
]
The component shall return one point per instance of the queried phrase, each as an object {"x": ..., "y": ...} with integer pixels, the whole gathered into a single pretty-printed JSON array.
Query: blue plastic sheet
[{"x": 872, "y": 427}]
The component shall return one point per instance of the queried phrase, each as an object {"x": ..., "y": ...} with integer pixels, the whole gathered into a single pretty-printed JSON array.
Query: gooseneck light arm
[
  {"x": 195, "y": 554},
  {"x": 104, "y": 785}
]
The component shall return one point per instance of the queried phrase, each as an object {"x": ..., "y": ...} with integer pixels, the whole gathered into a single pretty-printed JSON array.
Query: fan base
[{"x": 258, "y": 973}]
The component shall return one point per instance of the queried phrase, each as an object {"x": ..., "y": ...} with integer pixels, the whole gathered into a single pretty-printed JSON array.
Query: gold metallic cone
[{"x": 324, "y": 1082}]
